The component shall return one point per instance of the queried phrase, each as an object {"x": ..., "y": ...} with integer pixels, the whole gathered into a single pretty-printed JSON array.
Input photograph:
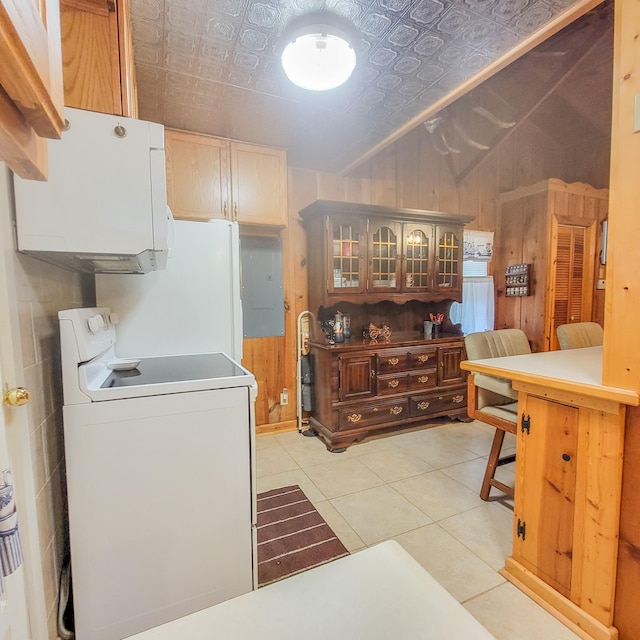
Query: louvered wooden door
[{"x": 571, "y": 280}]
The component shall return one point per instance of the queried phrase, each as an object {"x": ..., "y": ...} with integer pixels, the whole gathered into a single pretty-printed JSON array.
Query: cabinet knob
[
  {"x": 457, "y": 399},
  {"x": 354, "y": 417},
  {"x": 423, "y": 379},
  {"x": 394, "y": 383},
  {"x": 393, "y": 361},
  {"x": 395, "y": 411},
  {"x": 423, "y": 358},
  {"x": 423, "y": 405}
]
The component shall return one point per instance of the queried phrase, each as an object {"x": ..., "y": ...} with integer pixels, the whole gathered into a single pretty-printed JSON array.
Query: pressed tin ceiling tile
[{"x": 213, "y": 66}]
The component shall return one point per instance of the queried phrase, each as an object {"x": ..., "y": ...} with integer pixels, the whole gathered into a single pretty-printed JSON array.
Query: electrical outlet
[{"x": 284, "y": 397}]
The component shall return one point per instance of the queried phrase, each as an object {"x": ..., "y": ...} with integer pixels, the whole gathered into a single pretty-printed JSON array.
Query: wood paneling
[
  {"x": 552, "y": 226},
  {"x": 621, "y": 361},
  {"x": 626, "y": 616},
  {"x": 622, "y": 304}
]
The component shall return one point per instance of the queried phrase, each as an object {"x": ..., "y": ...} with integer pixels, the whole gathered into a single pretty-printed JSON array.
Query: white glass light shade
[{"x": 318, "y": 61}]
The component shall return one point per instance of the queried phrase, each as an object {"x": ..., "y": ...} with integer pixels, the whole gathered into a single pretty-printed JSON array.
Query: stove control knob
[{"x": 96, "y": 323}]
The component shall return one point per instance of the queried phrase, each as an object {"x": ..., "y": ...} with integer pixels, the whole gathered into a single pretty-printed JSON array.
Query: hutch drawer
[
  {"x": 388, "y": 385},
  {"x": 392, "y": 360},
  {"x": 364, "y": 415},
  {"x": 438, "y": 402}
]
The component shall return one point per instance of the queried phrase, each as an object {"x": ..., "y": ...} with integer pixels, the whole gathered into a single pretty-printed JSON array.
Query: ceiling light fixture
[{"x": 318, "y": 56}]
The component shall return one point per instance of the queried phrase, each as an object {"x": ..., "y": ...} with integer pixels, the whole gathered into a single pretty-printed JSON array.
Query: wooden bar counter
[{"x": 569, "y": 453}]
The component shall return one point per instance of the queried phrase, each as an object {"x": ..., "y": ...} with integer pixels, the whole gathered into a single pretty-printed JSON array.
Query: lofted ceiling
[{"x": 212, "y": 66}]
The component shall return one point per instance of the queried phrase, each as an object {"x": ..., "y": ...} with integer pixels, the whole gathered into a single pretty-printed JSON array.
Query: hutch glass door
[
  {"x": 384, "y": 268},
  {"x": 347, "y": 256},
  {"x": 417, "y": 272},
  {"x": 448, "y": 259}
]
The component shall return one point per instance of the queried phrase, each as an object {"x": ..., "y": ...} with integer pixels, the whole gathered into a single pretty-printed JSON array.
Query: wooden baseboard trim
[
  {"x": 572, "y": 616},
  {"x": 276, "y": 427}
]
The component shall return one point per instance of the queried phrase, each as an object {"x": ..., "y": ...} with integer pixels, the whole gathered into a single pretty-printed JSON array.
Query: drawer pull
[
  {"x": 423, "y": 379},
  {"x": 423, "y": 358},
  {"x": 395, "y": 411},
  {"x": 393, "y": 383},
  {"x": 393, "y": 361},
  {"x": 457, "y": 399},
  {"x": 423, "y": 405},
  {"x": 354, "y": 417}
]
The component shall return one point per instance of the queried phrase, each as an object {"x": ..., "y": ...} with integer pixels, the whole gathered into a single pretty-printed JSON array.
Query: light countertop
[
  {"x": 575, "y": 370},
  {"x": 380, "y": 593}
]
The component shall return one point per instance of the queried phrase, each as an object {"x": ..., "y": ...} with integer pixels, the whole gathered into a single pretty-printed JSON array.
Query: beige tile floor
[{"x": 421, "y": 489}]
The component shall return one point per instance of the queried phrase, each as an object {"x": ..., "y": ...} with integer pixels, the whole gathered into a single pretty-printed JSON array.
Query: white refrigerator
[{"x": 193, "y": 306}]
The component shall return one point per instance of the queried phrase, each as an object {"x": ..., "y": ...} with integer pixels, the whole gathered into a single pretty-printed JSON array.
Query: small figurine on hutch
[{"x": 383, "y": 332}]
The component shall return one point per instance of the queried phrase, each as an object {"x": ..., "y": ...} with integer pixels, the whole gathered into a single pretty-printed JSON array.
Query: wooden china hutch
[{"x": 383, "y": 266}]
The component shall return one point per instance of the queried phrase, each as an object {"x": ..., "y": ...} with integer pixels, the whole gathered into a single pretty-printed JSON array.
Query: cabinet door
[
  {"x": 347, "y": 255},
  {"x": 417, "y": 258},
  {"x": 545, "y": 493},
  {"x": 448, "y": 276},
  {"x": 90, "y": 55},
  {"x": 197, "y": 175},
  {"x": 449, "y": 359},
  {"x": 31, "y": 99},
  {"x": 385, "y": 256},
  {"x": 259, "y": 185},
  {"x": 357, "y": 377}
]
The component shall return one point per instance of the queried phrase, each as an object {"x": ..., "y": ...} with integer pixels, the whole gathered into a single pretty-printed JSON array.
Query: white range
[{"x": 161, "y": 480}]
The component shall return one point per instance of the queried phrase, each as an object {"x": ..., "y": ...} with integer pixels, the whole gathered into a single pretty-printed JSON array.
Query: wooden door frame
[{"x": 18, "y": 424}]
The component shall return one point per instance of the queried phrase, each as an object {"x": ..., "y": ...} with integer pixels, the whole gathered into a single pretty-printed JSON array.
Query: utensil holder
[{"x": 428, "y": 329}]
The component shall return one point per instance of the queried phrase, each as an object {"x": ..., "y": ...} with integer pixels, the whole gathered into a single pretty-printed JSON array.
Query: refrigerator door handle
[{"x": 171, "y": 233}]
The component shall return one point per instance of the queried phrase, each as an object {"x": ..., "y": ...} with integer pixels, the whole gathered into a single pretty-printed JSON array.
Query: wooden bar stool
[{"x": 492, "y": 400}]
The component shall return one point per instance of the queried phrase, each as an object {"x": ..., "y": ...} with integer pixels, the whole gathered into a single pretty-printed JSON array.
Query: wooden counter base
[
  {"x": 556, "y": 604},
  {"x": 569, "y": 454}
]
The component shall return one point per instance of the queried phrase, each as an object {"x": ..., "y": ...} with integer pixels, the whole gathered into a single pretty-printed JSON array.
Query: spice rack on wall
[{"x": 517, "y": 280}]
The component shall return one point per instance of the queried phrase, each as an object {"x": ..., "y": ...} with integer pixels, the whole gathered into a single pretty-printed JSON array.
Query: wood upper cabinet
[
  {"x": 210, "y": 177},
  {"x": 198, "y": 185},
  {"x": 366, "y": 254},
  {"x": 31, "y": 99},
  {"x": 97, "y": 56},
  {"x": 555, "y": 227},
  {"x": 259, "y": 184}
]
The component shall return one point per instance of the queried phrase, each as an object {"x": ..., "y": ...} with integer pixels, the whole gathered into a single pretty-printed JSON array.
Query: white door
[{"x": 13, "y": 601}]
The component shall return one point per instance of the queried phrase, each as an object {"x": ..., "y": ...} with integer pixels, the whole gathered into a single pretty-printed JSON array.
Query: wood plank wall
[
  {"x": 621, "y": 360},
  {"x": 409, "y": 173}
]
